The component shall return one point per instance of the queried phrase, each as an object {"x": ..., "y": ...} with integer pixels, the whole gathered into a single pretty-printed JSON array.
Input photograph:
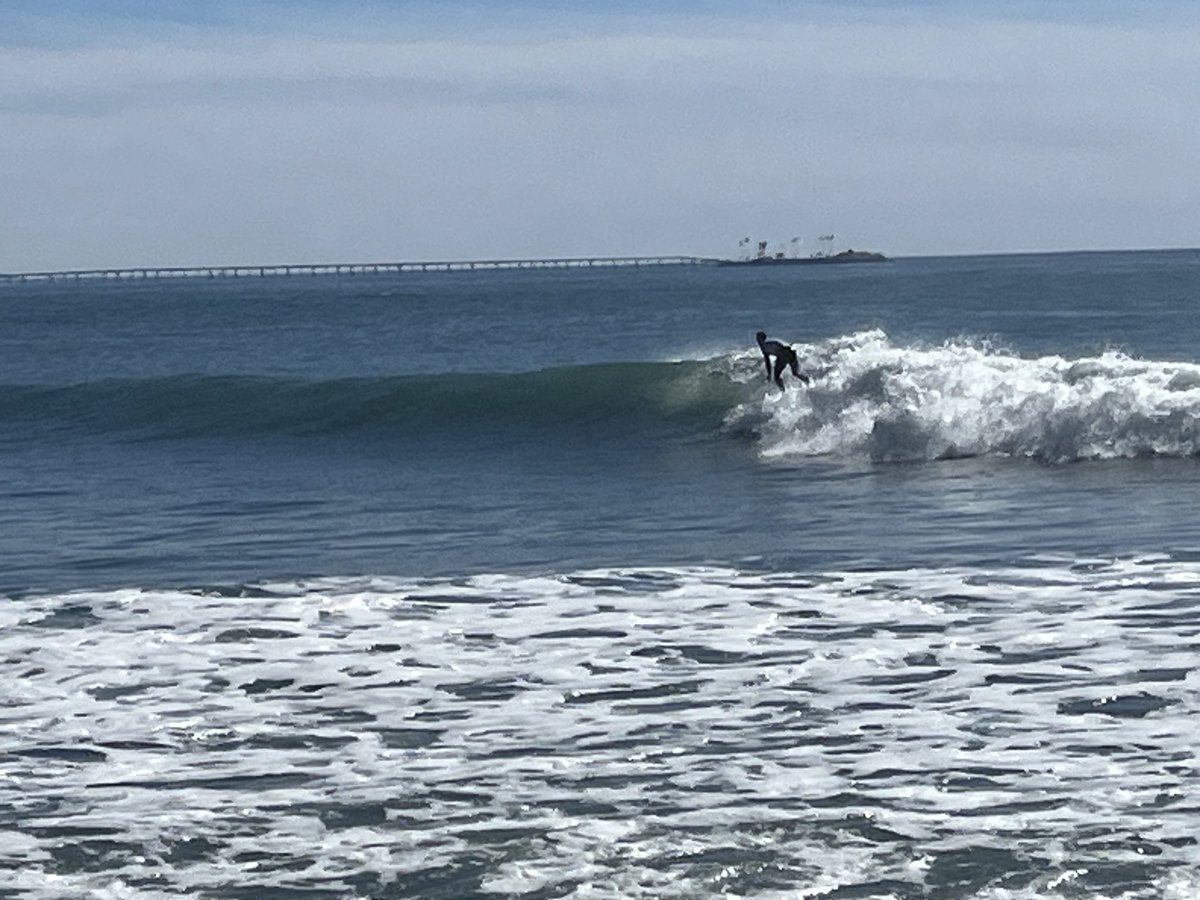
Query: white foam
[
  {"x": 874, "y": 398},
  {"x": 612, "y": 733}
]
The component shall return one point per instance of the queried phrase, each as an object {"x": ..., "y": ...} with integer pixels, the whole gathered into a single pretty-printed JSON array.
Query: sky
[{"x": 137, "y": 133}]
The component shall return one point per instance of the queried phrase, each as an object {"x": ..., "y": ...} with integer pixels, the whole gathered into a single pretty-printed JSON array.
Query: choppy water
[
  {"x": 1016, "y": 732},
  {"x": 529, "y": 585}
]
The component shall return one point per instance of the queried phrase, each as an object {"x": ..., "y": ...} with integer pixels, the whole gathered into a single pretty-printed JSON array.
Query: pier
[{"x": 146, "y": 273}]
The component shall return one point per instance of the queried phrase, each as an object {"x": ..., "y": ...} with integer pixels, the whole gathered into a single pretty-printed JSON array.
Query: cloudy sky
[{"x": 172, "y": 133}]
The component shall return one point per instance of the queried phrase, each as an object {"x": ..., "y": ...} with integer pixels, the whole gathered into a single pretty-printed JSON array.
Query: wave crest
[{"x": 892, "y": 403}]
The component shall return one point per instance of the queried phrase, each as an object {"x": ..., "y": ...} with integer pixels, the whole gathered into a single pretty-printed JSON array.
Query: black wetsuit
[{"x": 785, "y": 357}]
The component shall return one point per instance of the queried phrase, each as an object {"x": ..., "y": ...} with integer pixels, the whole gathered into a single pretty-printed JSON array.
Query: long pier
[{"x": 144, "y": 272}]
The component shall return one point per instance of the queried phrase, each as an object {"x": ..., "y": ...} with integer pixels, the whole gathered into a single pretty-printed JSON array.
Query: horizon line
[{"x": 504, "y": 263}]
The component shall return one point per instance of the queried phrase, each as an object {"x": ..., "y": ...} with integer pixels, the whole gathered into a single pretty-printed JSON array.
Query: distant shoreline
[{"x": 125, "y": 273}]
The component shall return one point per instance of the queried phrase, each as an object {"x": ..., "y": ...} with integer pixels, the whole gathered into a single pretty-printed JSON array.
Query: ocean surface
[{"x": 529, "y": 584}]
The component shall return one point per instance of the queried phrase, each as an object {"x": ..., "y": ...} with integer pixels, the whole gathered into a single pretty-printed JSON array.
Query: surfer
[{"x": 784, "y": 355}]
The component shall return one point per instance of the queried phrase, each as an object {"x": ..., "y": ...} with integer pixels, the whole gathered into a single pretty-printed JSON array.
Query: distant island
[
  {"x": 846, "y": 256},
  {"x": 763, "y": 257}
]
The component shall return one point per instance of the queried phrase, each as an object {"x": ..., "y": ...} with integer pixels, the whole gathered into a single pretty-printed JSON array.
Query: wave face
[
  {"x": 872, "y": 398},
  {"x": 194, "y": 405},
  {"x": 869, "y": 398}
]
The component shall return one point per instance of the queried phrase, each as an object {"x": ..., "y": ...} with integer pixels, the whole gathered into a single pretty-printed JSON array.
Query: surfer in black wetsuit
[{"x": 784, "y": 355}]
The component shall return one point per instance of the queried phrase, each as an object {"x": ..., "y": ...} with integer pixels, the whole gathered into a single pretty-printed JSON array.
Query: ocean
[{"x": 529, "y": 584}]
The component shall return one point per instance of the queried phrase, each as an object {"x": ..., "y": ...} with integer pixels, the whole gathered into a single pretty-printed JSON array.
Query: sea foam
[
  {"x": 872, "y": 397},
  {"x": 1017, "y": 732}
]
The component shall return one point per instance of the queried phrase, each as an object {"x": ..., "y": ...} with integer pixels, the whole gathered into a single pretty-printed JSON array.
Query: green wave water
[{"x": 693, "y": 393}]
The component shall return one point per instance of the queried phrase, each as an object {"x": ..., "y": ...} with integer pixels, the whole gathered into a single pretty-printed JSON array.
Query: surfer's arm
[{"x": 767, "y": 363}]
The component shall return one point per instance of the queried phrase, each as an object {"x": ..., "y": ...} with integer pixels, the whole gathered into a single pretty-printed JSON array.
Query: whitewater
[
  {"x": 531, "y": 584},
  {"x": 1005, "y": 733},
  {"x": 895, "y": 403}
]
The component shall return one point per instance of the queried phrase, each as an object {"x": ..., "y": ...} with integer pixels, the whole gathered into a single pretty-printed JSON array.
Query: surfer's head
[{"x": 760, "y": 336}]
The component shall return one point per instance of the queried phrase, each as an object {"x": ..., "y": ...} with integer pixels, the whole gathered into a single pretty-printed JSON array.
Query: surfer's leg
[
  {"x": 780, "y": 364},
  {"x": 795, "y": 364}
]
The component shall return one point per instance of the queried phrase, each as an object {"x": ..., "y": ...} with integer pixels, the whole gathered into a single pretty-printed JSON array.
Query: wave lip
[{"x": 960, "y": 399}]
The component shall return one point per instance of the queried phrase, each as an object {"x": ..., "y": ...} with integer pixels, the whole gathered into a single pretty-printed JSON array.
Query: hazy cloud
[{"x": 908, "y": 133}]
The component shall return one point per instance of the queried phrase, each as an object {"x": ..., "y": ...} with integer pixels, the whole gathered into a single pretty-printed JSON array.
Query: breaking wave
[
  {"x": 869, "y": 398},
  {"x": 960, "y": 399}
]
